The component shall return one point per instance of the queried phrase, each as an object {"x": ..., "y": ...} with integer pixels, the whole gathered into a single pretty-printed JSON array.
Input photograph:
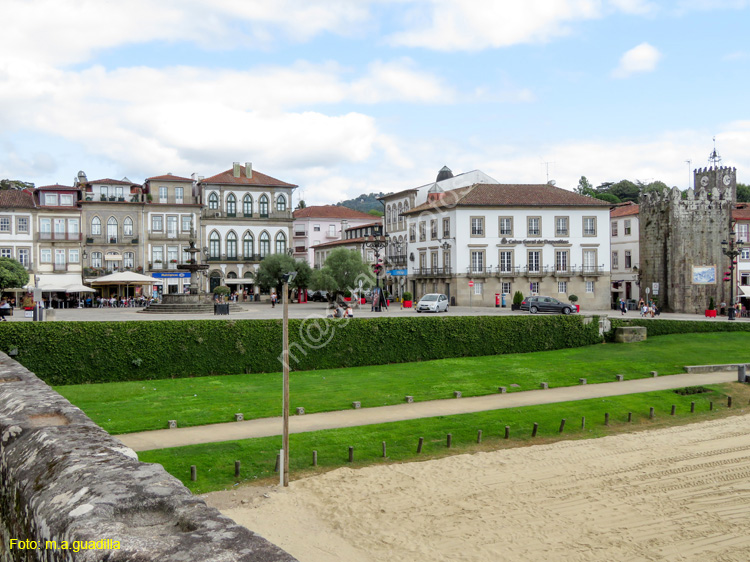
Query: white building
[
  {"x": 17, "y": 214},
  {"x": 355, "y": 238},
  {"x": 624, "y": 241},
  {"x": 321, "y": 224},
  {"x": 503, "y": 238}
]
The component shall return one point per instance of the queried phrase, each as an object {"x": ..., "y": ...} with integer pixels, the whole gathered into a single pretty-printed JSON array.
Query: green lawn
[
  {"x": 138, "y": 406},
  {"x": 215, "y": 462}
]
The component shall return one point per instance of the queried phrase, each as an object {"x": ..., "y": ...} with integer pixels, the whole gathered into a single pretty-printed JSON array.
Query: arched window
[
  {"x": 213, "y": 201},
  {"x": 247, "y": 205},
  {"x": 231, "y": 205},
  {"x": 281, "y": 243},
  {"x": 265, "y": 245},
  {"x": 281, "y": 203},
  {"x": 231, "y": 246},
  {"x": 112, "y": 230},
  {"x": 214, "y": 245},
  {"x": 263, "y": 204},
  {"x": 248, "y": 246},
  {"x": 112, "y": 261},
  {"x": 127, "y": 227},
  {"x": 96, "y": 226},
  {"x": 231, "y": 275},
  {"x": 388, "y": 214},
  {"x": 400, "y": 218}
]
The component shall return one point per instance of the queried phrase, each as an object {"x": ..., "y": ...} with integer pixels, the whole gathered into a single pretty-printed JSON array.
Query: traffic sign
[{"x": 471, "y": 283}]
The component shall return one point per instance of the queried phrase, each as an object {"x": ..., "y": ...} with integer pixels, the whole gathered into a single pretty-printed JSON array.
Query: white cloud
[
  {"x": 642, "y": 58},
  {"x": 399, "y": 81}
]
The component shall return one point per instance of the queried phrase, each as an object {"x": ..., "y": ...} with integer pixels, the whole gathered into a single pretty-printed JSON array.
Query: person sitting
[
  {"x": 339, "y": 311},
  {"x": 4, "y": 310},
  {"x": 349, "y": 311}
]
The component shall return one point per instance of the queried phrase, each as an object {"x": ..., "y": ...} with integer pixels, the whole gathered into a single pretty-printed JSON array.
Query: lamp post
[
  {"x": 376, "y": 242},
  {"x": 284, "y": 472},
  {"x": 731, "y": 249}
]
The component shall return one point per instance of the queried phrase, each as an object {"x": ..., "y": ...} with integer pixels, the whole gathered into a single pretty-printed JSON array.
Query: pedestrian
[
  {"x": 273, "y": 300},
  {"x": 623, "y": 308},
  {"x": 4, "y": 310}
]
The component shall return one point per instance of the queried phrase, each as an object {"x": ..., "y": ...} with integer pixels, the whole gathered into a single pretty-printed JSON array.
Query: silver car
[{"x": 433, "y": 302}]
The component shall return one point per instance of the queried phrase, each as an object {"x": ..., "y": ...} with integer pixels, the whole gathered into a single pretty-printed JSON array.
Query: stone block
[
  {"x": 456, "y": 394},
  {"x": 619, "y": 378},
  {"x": 172, "y": 424},
  {"x": 239, "y": 417},
  {"x": 300, "y": 411},
  {"x": 356, "y": 405},
  {"x": 409, "y": 399},
  {"x": 654, "y": 374},
  {"x": 582, "y": 381},
  {"x": 630, "y": 334},
  {"x": 502, "y": 389},
  {"x": 543, "y": 386}
]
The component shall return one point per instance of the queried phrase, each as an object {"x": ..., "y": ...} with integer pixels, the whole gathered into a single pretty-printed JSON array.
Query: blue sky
[{"x": 349, "y": 96}]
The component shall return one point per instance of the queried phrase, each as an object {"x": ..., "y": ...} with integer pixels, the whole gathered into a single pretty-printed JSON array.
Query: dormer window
[
  {"x": 50, "y": 199},
  {"x": 66, "y": 200}
]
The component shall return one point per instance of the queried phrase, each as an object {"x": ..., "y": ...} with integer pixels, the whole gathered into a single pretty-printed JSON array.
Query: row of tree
[{"x": 626, "y": 190}]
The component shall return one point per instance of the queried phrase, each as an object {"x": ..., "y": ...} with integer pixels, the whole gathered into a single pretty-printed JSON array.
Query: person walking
[
  {"x": 4, "y": 310},
  {"x": 273, "y": 300},
  {"x": 623, "y": 307}
]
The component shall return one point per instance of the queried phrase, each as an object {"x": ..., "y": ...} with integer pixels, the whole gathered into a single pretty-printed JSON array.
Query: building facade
[
  {"x": 321, "y": 224},
  {"x": 355, "y": 238},
  {"x": 624, "y": 240}
]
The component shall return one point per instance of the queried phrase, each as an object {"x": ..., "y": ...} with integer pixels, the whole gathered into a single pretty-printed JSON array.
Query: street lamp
[
  {"x": 731, "y": 249},
  {"x": 377, "y": 242},
  {"x": 284, "y": 472}
]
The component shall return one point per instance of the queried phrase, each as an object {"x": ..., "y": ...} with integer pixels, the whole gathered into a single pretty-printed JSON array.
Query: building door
[
  {"x": 628, "y": 290},
  {"x": 214, "y": 281}
]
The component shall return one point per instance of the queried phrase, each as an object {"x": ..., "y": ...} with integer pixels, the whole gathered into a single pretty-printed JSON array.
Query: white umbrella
[
  {"x": 79, "y": 289},
  {"x": 125, "y": 278}
]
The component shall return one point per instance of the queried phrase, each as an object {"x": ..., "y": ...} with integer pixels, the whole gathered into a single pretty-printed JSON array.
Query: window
[
  {"x": 332, "y": 230},
  {"x": 231, "y": 205},
  {"x": 171, "y": 226},
  {"x": 281, "y": 243},
  {"x": 562, "y": 287},
  {"x": 447, "y": 260},
  {"x": 187, "y": 223},
  {"x": 263, "y": 206},
  {"x": 6, "y": 252},
  {"x": 157, "y": 254},
  {"x": 22, "y": 224},
  {"x": 534, "y": 226},
  {"x": 128, "y": 259},
  {"x": 589, "y": 287},
  {"x": 628, "y": 260},
  {"x": 112, "y": 261},
  {"x": 446, "y": 228},
  {"x": 614, "y": 229},
  {"x": 316, "y": 228},
  {"x": 742, "y": 232},
  {"x": 50, "y": 199},
  {"x": 231, "y": 246},
  {"x": 506, "y": 226},
  {"x": 478, "y": 286},
  {"x": 534, "y": 287},
  {"x": 59, "y": 259},
  {"x": 281, "y": 203},
  {"x": 477, "y": 261},
  {"x": 561, "y": 226},
  {"x": 118, "y": 194},
  {"x": 247, "y": 205},
  {"x": 179, "y": 194},
  {"x": 157, "y": 223},
  {"x": 213, "y": 201},
  {"x": 506, "y": 261},
  {"x": 589, "y": 226},
  {"x": 422, "y": 231},
  {"x": 66, "y": 200},
  {"x": 627, "y": 227},
  {"x": 4, "y": 224},
  {"x": 477, "y": 226},
  {"x": 74, "y": 229},
  {"x": 745, "y": 254},
  {"x": 45, "y": 227},
  {"x": 23, "y": 257},
  {"x": 45, "y": 255},
  {"x": 589, "y": 261},
  {"x": 433, "y": 229},
  {"x": 214, "y": 245},
  {"x": 434, "y": 261},
  {"x": 388, "y": 214},
  {"x": 265, "y": 244},
  {"x": 247, "y": 245},
  {"x": 96, "y": 226},
  {"x": 59, "y": 229},
  {"x": 400, "y": 218},
  {"x": 127, "y": 227},
  {"x": 506, "y": 287},
  {"x": 561, "y": 260},
  {"x": 412, "y": 233},
  {"x": 103, "y": 192},
  {"x": 73, "y": 255},
  {"x": 96, "y": 259},
  {"x": 162, "y": 194},
  {"x": 534, "y": 261},
  {"x": 422, "y": 261},
  {"x": 615, "y": 260},
  {"x": 112, "y": 230}
]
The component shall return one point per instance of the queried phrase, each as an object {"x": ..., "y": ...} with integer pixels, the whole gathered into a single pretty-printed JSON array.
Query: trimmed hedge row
[
  {"x": 665, "y": 327},
  {"x": 88, "y": 352}
]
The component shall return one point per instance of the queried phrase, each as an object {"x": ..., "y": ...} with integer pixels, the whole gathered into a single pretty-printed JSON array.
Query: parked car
[
  {"x": 547, "y": 304},
  {"x": 433, "y": 302},
  {"x": 319, "y": 296}
]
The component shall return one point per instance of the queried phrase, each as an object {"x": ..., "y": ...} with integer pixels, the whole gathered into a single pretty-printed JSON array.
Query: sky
[{"x": 344, "y": 97}]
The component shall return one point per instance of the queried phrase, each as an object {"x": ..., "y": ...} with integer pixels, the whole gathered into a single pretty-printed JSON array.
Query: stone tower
[{"x": 680, "y": 240}]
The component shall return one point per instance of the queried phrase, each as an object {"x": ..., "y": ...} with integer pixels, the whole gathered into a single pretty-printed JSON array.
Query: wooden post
[
  {"x": 479, "y": 436},
  {"x": 448, "y": 440},
  {"x": 507, "y": 432},
  {"x": 562, "y": 425},
  {"x": 315, "y": 458},
  {"x": 351, "y": 454},
  {"x": 278, "y": 461},
  {"x": 674, "y": 408},
  {"x": 729, "y": 401},
  {"x": 606, "y": 419},
  {"x": 419, "y": 446},
  {"x": 193, "y": 473},
  {"x": 236, "y": 469},
  {"x": 630, "y": 417},
  {"x": 692, "y": 407},
  {"x": 583, "y": 422},
  {"x": 533, "y": 431},
  {"x": 710, "y": 405},
  {"x": 384, "y": 450},
  {"x": 651, "y": 412}
]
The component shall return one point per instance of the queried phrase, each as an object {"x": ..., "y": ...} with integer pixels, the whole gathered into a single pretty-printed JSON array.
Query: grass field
[
  {"x": 139, "y": 406},
  {"x": 215, "y": 462}
]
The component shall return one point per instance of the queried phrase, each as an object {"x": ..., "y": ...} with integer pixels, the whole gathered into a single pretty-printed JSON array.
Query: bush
[
  {"x": 665, "y": 327},
  {"x": 573, "y": 299},
  {"x": 222, "y": 290},
  {"x": 88, "y": 352},
  {"x": 711, "y": 305},
  {"x": 517, "y": 297},
  {"x": 407, "y": 296}
]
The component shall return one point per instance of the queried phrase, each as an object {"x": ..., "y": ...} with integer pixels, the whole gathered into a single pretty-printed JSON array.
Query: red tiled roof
[
  {"x": 330, "y": 212},
  {"x": 741, "y": 213},
  {"x": 169, "y": 177},
  {"x": 348, "y": 242},
  {"x": 510, "y": 195},
  {"x": 108, "y": 181},
  {"x": 16, "y": 199},
  {"x": 227, "y": 177},
  {"x": 624, "y": 210},
  {"x": 58, "y": 187},
  {"x": 379, "y": 223}
]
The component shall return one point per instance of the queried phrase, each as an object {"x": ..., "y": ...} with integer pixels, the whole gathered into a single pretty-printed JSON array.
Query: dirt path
[{"x": 165, "y": 438}]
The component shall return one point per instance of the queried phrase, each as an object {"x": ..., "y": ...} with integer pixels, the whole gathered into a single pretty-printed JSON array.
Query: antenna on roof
[
  {"x": 714, "y": 158},
  {"x": 546, "y": 164}
]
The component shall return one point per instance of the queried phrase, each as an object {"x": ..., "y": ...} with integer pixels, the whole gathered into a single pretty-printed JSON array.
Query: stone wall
[{"x": 63, "y": 478}]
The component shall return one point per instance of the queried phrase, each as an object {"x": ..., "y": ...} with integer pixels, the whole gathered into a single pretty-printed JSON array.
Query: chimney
[
  {"x": 344, "y": 226},
  {"x": 249, "y": 169},
  {"x": 236, "y": 169}
]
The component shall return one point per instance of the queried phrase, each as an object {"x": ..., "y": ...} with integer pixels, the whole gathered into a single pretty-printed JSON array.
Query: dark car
[
  {"x": 319, "y": 296},
  {"x": 547, "y": 304}
]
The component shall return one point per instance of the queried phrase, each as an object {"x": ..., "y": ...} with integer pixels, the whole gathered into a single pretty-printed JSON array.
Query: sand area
[{"x": 675, "y": 494}]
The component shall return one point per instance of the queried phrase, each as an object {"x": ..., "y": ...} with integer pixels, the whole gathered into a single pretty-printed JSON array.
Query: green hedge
[
  {"x": 86, "y": 352},
  {"x": 656, "y": 327}
]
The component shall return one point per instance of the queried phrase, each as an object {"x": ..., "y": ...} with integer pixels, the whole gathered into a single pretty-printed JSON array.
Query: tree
[
  {"x": 743, "y": 193},
  {"x": 272, "y": 268},
  {"x": 585, "y": 188},
  {"x": 304, "y": 275},
  {"x": 15, "y": 184},
  {"x": 624, "y": 190},
  {"x": 375, "y": 213},
  {"x": 342, "y": 271},
  {"x": 301, "y": 204},
  {"x": 608, "y": 197},
  {"x": 12, "y": 274}
]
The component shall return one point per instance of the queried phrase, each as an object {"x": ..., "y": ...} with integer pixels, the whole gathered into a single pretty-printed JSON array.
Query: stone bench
[{"x": 630, "y": 334}]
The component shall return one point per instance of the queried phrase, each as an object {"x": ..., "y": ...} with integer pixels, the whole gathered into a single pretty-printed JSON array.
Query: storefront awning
[
  {"x": 54, "y": 283},
  {"x": 244, "y": 281},
  {"x": 744, "y": 290}
]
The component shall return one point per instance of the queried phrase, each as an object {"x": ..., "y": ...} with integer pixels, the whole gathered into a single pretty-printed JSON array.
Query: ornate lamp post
[
  {"x": 377, "y": 242},
  {"x": 284, "y": 469},
  {"x": 731, "y": 249}
]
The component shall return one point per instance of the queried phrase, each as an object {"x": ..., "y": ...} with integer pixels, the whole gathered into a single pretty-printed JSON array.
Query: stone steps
[{"x": 203, "y": 308}]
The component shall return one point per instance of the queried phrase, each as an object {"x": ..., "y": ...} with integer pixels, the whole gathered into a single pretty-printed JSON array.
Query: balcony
[
  {"x": 563, "y": 272},
  {"x": 300, "y": 249},
  {"x": 397, "y": 260},
  {"x": 254, "y": 258},
  {"x": 479, "y": 271},
  {"x": 221, "y": 214},
  {"x": 300, "y": 233},
  {"x": 539, "y": 271},
  {"x": 113, "y": 239},
  {"x": 161, "y": 235},
  {"x": 60, "y": 267},
  {"x": 60, "y": 236},
  {"x": 508, "y": 271},
  {"x": 433, "y": 272}
]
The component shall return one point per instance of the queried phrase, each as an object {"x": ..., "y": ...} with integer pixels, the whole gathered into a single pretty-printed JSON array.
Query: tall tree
[
  {"x": 342, "y": 272},
  {"x": 585, "y": 187},
  {"x": 743, "y": 193},
  {"x": 12, "y": 274},
  {"x": 272, "y": 268}
]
